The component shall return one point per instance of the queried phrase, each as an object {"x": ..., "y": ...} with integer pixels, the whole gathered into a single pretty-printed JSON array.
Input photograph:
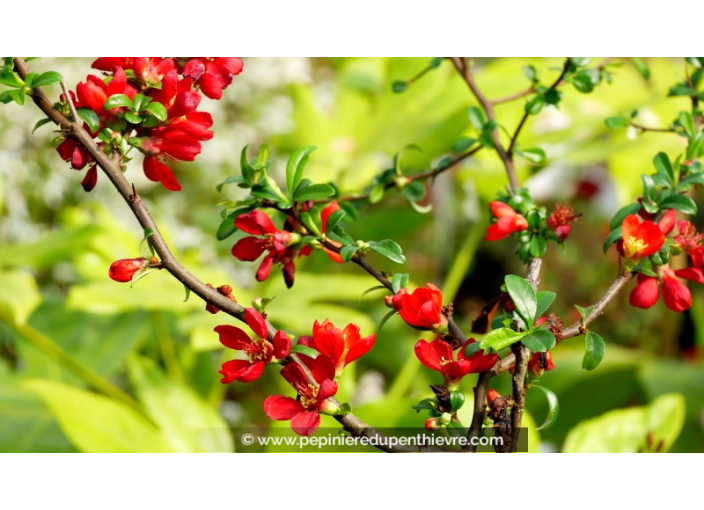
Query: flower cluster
[
  {"x": 259, "y": 350},
  {"x": 150, "y": 103},
  {"x": 282, "y": 245},
  {"x": 336, "y": 349},
  {"x": 675, "y": 293}
]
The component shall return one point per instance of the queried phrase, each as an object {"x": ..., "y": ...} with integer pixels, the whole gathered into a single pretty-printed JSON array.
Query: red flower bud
[
  {"x": 492, "y": 395},
  {"x": 124, "y": 269}
]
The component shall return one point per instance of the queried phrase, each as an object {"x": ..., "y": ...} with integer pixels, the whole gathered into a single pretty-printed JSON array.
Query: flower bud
[
  {"x": 124, "y": 269},
  {"x": 432, "y": 424},
  {"x": 492, "y": 395}
]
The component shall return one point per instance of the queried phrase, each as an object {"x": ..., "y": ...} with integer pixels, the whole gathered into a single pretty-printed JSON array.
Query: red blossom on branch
[
  {"x": 341, "y": 346},
  {"x": 304, "y": 411},
  {"x": 675, "y": 294},
  {"x": 509, "y": 221},
  {"x": 438, "y": 355},
  {"x": 259, "y": 350},
  {"x": 560, "y": 221},
  {"x": 422, "y": 308},
  {"x": 124, "y": 269},
  {"x": 640, "y": 240}
]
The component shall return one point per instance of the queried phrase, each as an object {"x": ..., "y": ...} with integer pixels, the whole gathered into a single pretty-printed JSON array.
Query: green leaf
[
  {"x": 313, "y": 192},
  {"x": 339, "y": 235},
  {"x": 537, "y": 246},
  {"x": 10, "y": 78},
  {"x": 188, "y": 293},
  {"x": 422, "y": 209},
  {"x": 497, "y": 340},
  {"x": 583, "y": 83},
  {"x": 399, "y": 86},
  {"x": 622, "y": 213},
  {"x": 158, "y": 110},
  {"x": 389, "y": 249},
  {"x": 414, "y": 191},
  {"x": 372, "y": 289},
  {"x": 48, "y": 78},
  {"x": 545, "y": 299},
  {"x": 312, "y": 220},
  {"x": 398, "y": 281},
  {"x": 97, "y": 424},
  {"x": 133, "y": 118},
  {"x": 664, "y": 167},
  {"x": 187, "y": 421},
  {"x": 89, "y": 117},
  {"x": 534, "y": 155},
  {"x": 427, "y": 404},
  {"x": 584, "y": 312},
  {"x": 334, "y": 219},
  {"x": 40, "y": 123},
  {"x": 230, "y": 180},
  {"x": 118, "y": 101},
  {"x": 377, "y": 193},
  {"x": 16, "y": 95},
  {"x": 541, "y": 340},
  {"x": 435, "y": 62},
  {"x": 295, "y": 167},
  {"x": 476, "y": 117},
  {"x": 580, "y": 61},
  {"x": 305, "y": 350},
  {"x": 553, "y": 407},
  {"x": 641, "y": 67},
  {"x": 680, "y": 203},
  {"x": 614, "y": 236},
  {"x": 535, "y": 105},
  {"x": 616, "y": 122},
  {"x": 347, "y": 252},
  {"x": 462, "y": 144},
  {"x": 523, "y": 296},
  {"x": 595, "y": 351},
  {"x": 530, "y": 72}
]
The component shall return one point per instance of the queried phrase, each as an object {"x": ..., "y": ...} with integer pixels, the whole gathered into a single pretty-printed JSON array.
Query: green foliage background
[{"x": 65, "y": 327}]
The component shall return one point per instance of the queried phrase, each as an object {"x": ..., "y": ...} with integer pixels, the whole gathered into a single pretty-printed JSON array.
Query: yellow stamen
[{"x": 634, "y": 246}]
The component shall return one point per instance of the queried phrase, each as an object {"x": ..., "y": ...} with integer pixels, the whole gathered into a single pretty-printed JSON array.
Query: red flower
[
  {"x": 687, "y": 239},
  {"x": 423, "y": 308},
  {"x": 259, "y": 350},
  {"x": 395, "y": 300},
  {"x": 675, "y": 294},
  {"x": 124, "y": 269},
  {"x": 265, "y": 237},
  {"x": 509, "y": 222},
  {"x": 492, "y": 395},
  {"x": 94, "y": 92},
  {"x": 640, "y": 240},
  {"x": 170, "y": 145},
  {"x": 341, "y": 346},
  {"x": 304, "y": 411},
  {"x": 213, "y": 74},
  {"x": 560, "y": 221},
  {"x": 539, "y": 362},
  {"x": 438, "y": 355}
]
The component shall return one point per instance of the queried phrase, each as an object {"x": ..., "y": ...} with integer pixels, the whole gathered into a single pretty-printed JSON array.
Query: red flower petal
[
  {"x": 255, "y": 222},
  {"x": 691, "y": 273},
  {"x": 233, "y": 337},
  {"x": 322, "y": 368},
  {"x": 265, "y": 268},
  {"x": 249, "y": 248},
  {"x": 428, "y": 355},
  {"x": 282, "y": 345},
  {"x": 241, "y": 370},
  {"x": 667, "y": 222},
  {"x": 675, "y": 294},
  {"x": 360, "y": 348},
  {"x": 305, "y": 424},
  {"x": 256, "y": 321},
  {"x": 327, "y": 389},
  {"x": 278, "y": 407},
  {"x": 645, "y": 294},
  {"x": 325, "y": 214}
]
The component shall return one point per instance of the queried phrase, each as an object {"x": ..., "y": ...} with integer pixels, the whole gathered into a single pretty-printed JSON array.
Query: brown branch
[
  {"x": 555, "y": 84},
  {"x": 465, "y": 70},
  {"x": 513, "y": 97},
  {"x": 522, "y": 355},
  {"x": 649, "y": 129},
  {"x": 430, "y": 174},
  {"x": 480, "y": 392},
  {"x": 210, "y": 295}
]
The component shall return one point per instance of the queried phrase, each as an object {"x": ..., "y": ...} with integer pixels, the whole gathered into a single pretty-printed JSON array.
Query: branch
[
  {"x": 465, "y": 70},
  {"x": 649, "y": 129},
  {"x": 430, "y": 174},
  {"x": 114, "y": 172},
  {"x": 555, "y": 84},
  {"x": 480, "y": 391}
]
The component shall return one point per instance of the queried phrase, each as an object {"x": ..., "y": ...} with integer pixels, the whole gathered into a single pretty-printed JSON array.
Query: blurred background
[{"x": 153, "y": 358}]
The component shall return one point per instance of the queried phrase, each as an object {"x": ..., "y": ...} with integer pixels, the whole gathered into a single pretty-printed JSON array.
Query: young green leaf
[
  {"x": 553, "y": 407},
  {"x": 614, "y": 236},
  {"x": 680, "y": 203},
  {"x": 389, "y": 249},
  {"x": 313, "y": 192},
  {"x": 496, "y": 339},
  {"x": 622, "y": 213},
  {"x": 541, "y": 340},
  {"x": 595, "y": 351},
  {"x": 48, "y": 78},
  {"x": 158, "y": 110},
  {"x": 347, "y": 252},
  {"x": 334, "y": 219},
  {"x": 339, "y": 235},
  {"x": 295, "y": 167},
  {"x": 523, "y": 296},
  {"x": 545, "y": 299},
  {"x": 305, "y": 350},
  {"x": 399, "y": 280},
  {"x": 118, "y": 101},
  {"x": 664, "y": 167}
]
